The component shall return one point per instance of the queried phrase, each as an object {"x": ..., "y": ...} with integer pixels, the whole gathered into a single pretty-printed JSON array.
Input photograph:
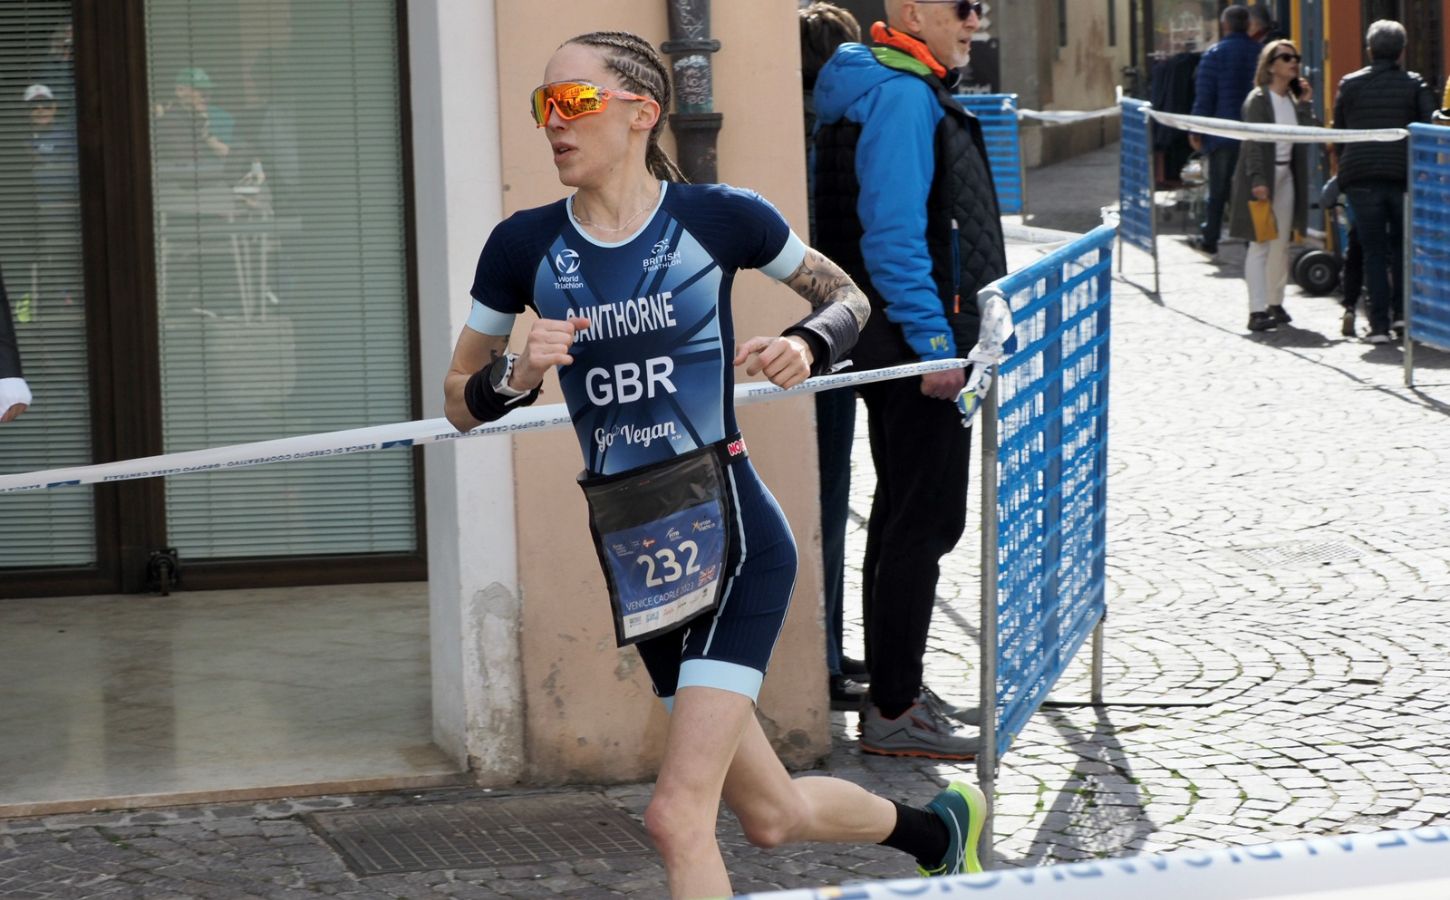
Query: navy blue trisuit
[{"x": 652, "y": 378}]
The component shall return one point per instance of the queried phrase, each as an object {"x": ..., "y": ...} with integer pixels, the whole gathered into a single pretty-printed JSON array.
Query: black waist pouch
[{"x": 666, "y": 538}]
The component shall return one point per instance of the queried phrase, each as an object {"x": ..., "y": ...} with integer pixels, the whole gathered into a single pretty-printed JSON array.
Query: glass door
[
  {"x": 43, "y": 332},
  {"x": 281, "y": 269}
]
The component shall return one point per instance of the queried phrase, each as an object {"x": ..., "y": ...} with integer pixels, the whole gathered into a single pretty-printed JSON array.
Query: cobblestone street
[{"x": 1279, "y": 554}]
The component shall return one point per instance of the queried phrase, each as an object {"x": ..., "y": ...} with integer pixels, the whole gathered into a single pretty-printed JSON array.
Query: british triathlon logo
[
  {"x": 566, "y": 264},
  {"x": 566, "y": 261},
  {"x": 661, "y": 257}
]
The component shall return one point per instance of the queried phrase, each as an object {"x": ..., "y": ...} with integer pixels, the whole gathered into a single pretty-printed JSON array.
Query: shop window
[{"x": 281, "y": 268}]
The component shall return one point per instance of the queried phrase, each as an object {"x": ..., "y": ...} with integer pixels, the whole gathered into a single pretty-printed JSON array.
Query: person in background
[
  {"x": 212, "y": 127},
  {"x": 1351, "y": 271},
  {"x": 55, "y": 229},
  {"x": 906, "y": 205},
  {"x": 1225, "y": 77},
  {"x": 14, "y": 392},
  {"x": 1373, "y": 175},
  {"x": 1262, "y": 28},
  {"x": 1276, "y": 171},
  {"x": 824, "y": 27}
]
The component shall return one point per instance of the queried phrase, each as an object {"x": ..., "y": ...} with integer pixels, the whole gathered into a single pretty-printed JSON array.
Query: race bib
[{"x": 665, "y": 538}]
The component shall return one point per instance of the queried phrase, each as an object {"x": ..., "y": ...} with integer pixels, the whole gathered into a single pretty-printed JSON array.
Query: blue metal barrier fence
[
  {"x": 1137, "y": 224},
  {"x": 1427, "y": 250},
  {"x": 1044, "y": 489},
  {"x": 998, "y": 115}
]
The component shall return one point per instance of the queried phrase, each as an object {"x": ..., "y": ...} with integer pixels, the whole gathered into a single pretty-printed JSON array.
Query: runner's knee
[{"x": 678, "y": 823}]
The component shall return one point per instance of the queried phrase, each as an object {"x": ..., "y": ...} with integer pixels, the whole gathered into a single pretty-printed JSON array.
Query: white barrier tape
[
  {"x": 1353, "y": 866},
  {"x": 1055, "y": 117},
  {"x": 1029, "y": 235},
  {"x": 401, "y": 434},
  {"x": 1292, "y": 134}
]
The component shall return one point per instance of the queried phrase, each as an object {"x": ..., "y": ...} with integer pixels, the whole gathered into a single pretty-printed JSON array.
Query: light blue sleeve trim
[
  {"x": 895, "y": 162},
  {"x": 787, "y": 260},
  {"x": 489, "y": 321},
  {"x": 724, "y": 676}
]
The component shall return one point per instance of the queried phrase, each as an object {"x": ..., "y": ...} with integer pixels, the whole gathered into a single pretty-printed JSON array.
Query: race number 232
[{"x": 663, "y": 566}]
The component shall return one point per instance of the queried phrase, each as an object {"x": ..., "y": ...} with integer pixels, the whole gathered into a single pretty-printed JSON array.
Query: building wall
[
  {"x": 589, "y": 712},
  {"x": 1086, "y": 72},
  {"x": 472, "y": 582}
]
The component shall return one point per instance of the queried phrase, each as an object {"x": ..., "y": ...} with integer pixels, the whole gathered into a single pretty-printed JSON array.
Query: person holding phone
[{"x": 1276, "y": 172}]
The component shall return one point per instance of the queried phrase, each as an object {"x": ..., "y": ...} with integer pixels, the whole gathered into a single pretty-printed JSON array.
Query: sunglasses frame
[
  {"x": 605, "y": 95},
  {"x": 968, "y": 5},
  {"x": 1288, "y": 57}
]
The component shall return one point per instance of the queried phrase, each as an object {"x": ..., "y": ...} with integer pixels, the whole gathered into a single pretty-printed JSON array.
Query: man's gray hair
[
  {"x": 1235, "y": 19},
  {"x": 1385, "y": 39}
]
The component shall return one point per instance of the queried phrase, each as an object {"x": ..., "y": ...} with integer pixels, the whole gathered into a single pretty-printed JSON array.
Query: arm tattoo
[{"x": 821, "y": 281}]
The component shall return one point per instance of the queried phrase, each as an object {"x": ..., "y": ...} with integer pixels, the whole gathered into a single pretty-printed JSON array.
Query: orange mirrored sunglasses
[{"x": 572, "y": 99}]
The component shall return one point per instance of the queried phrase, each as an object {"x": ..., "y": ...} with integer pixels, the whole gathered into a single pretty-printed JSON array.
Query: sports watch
[{"x": 503, "y": 367}]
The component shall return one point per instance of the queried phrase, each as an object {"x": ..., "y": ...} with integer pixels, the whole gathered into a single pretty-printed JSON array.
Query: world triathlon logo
[{"x": 566, "y": 261}]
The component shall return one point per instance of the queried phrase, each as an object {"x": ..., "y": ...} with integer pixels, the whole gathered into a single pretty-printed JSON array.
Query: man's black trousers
[{"x": 918, "y": 513}]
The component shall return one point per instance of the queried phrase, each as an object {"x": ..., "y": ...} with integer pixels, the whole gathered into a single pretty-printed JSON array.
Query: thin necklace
[{"x": 618, "y": 228}]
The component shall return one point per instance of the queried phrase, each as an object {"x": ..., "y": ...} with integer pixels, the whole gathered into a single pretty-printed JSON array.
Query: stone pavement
[{"x": 1278, "y": 548}]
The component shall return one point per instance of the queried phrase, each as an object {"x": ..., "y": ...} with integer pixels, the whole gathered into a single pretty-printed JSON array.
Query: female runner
[{"x": 630, "y": 277}]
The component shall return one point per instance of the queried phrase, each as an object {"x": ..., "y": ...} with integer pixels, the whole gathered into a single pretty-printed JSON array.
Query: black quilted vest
[
  {"x": 961, "y": 190},
  {"x": 1381, "y": 95}
]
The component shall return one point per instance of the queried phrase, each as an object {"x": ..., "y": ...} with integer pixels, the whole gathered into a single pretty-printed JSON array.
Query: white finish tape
[
  {"x": 1413, "y": 863},
  {"x": 1055, "y": 117},
  {"x": 1292, "y": 134},
  {"x": 402, "y": 434}
]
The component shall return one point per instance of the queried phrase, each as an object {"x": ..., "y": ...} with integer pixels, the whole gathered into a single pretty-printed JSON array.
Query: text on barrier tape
[{"x": 401, "y": 434}]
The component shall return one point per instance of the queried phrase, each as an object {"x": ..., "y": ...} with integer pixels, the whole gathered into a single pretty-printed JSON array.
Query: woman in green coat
[{"x": 1277, "y": 171}]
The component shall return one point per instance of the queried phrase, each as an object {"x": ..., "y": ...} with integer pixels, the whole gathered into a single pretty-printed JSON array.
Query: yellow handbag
[{"x": 1262, "y": 214}]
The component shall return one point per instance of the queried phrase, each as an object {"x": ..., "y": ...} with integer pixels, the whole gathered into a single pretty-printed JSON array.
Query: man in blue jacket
[
  {"x": 904, "y": 202},
  {"x": 1225, "y": 77}
]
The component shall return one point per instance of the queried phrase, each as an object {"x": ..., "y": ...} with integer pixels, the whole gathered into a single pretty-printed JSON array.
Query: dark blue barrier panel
[
  {"x": 1427, "y": 303},
  {"x": 1135, "y": 181},
  {"x": 1051, "y": 439},
  {"x": 998, "y": 115}
]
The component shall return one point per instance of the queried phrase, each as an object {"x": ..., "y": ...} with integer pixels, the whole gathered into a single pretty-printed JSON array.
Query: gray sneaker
[
  {"x": 919, "y": 731},
  {"x": 967, "y": 715}
]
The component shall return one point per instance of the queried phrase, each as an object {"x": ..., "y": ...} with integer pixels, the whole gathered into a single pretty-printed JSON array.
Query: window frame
[{"x": 119, "y": 267}]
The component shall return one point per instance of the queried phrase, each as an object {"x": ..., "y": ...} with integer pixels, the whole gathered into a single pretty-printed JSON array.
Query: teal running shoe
[{"x": 963, "y": 807}]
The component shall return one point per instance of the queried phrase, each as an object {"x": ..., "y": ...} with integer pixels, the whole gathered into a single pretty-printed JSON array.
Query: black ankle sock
[
  {"x": 919, "y": 832},
  {"x": 892, "y": 712}
]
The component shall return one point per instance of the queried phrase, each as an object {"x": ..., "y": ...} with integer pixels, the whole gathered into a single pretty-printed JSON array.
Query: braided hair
[{"x": 643, "y": 72}]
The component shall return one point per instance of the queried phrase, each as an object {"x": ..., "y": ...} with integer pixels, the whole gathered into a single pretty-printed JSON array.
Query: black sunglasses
[
  {"x": 964, "y": 8},
  {"x": 1287, "y": 57}
]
